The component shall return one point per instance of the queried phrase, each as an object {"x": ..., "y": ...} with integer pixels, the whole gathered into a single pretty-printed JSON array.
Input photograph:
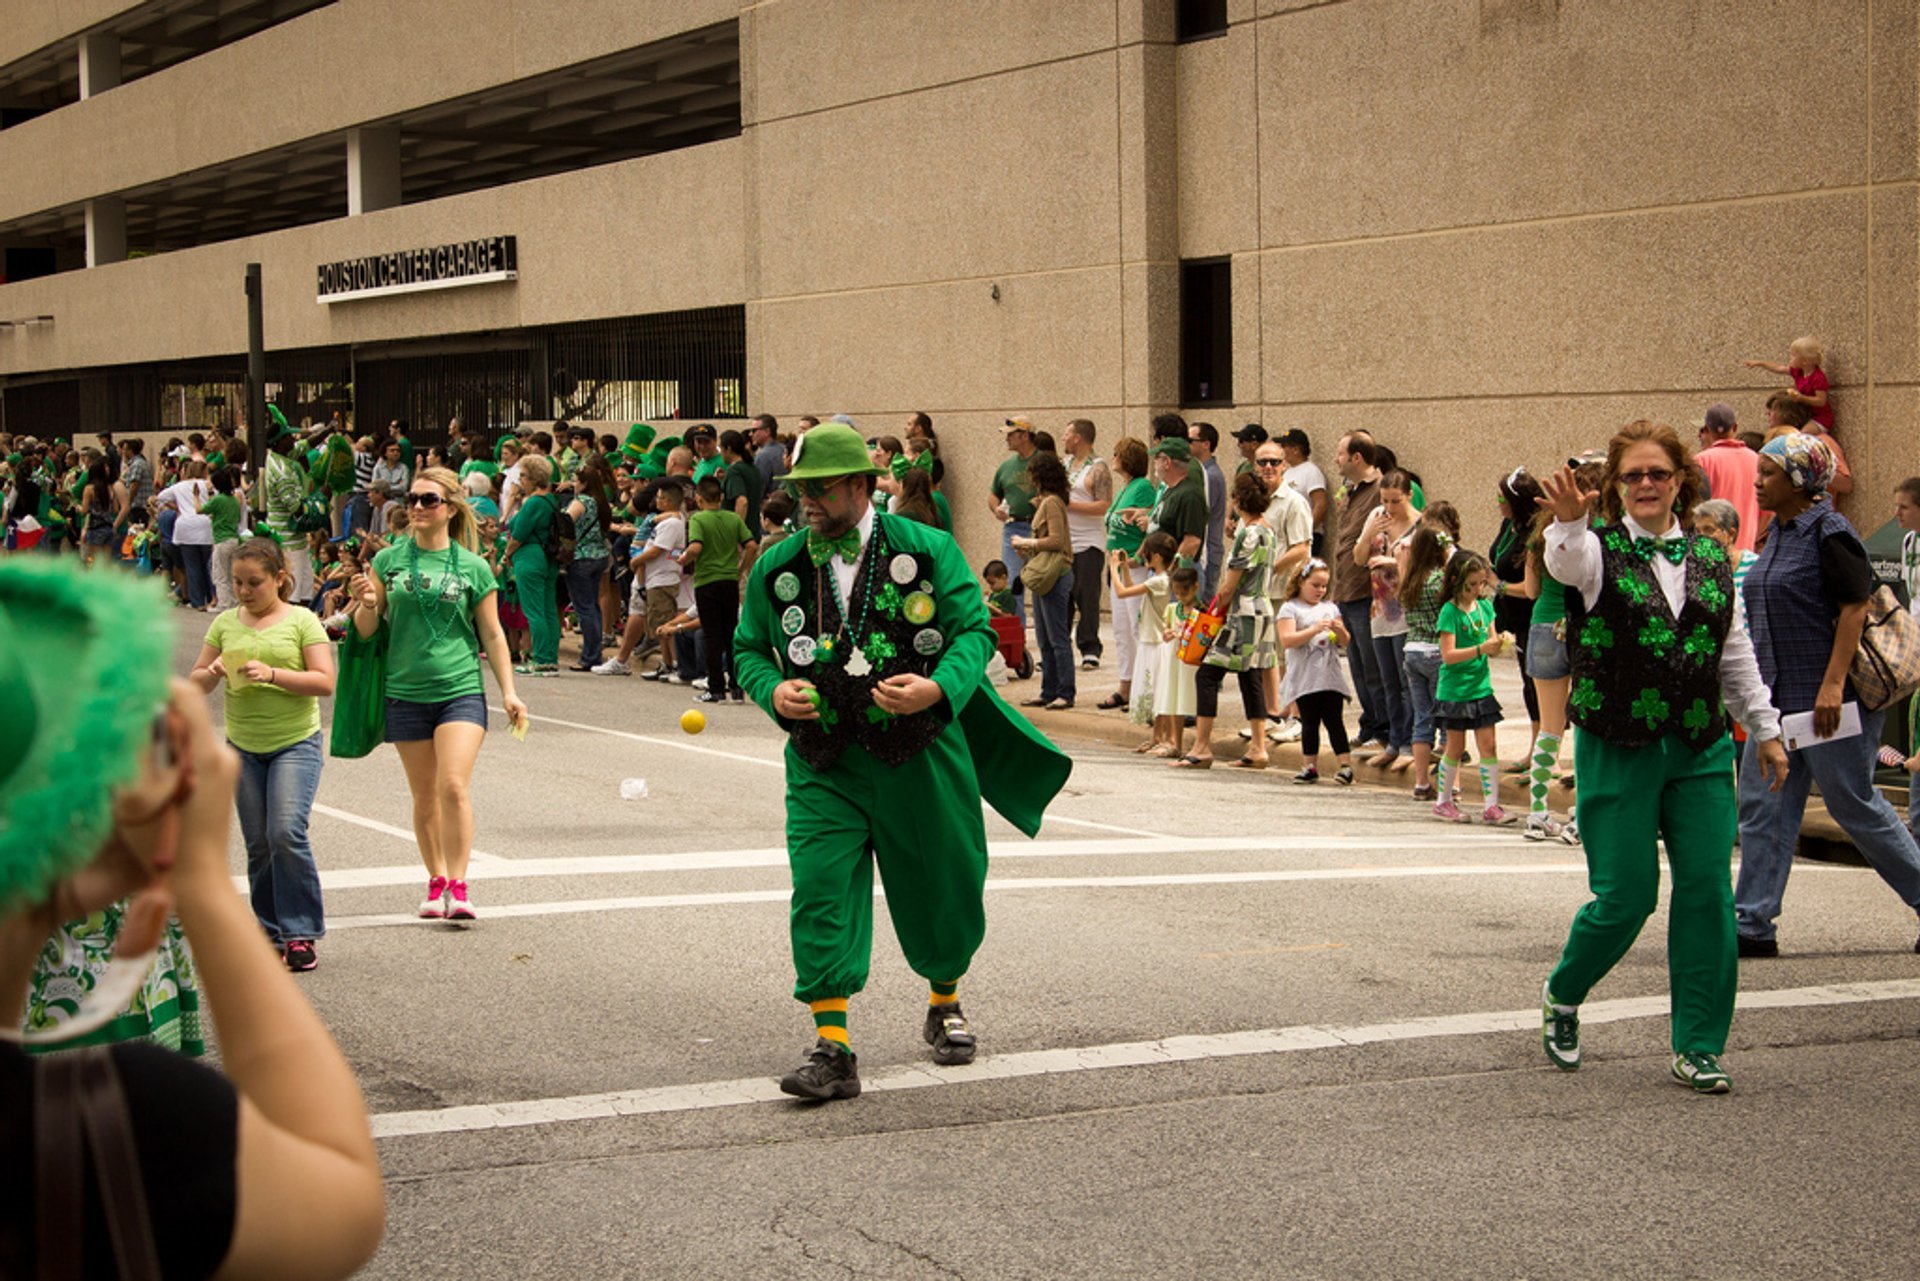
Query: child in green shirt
[
  {"x": 1463, "y": 696},
  {"x": 719, "y": 548}
]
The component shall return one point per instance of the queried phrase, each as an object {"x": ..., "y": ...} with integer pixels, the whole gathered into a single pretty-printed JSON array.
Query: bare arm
[
  {"x": 315, "y": 682},
  {"x": 486, "y": 625},
  {"x": 1318, "y": 501},
  {"x": 1767, "y": 365},
  {"x": 369, "y": 604},
  {"x": 1290, "y": 562},
  {"x": 1189, "y": 548},
  {"x": 208, "y": 671}
]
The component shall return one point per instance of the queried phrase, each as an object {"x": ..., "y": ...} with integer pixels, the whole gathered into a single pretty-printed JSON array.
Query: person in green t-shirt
[
  {"x": 1126, "y": 530},
  {"x": 223, "y": 509},
  {"x": 1181, "y": 509},
  {"x": 1463, "y": 698},
  {"x": 277, "y": 665},
  {"x": 530, "y": 548},
  {"x": 1010, "y": 499},
  {"x": 440, "y": 605},
  {"x": 720, "y": 548}
]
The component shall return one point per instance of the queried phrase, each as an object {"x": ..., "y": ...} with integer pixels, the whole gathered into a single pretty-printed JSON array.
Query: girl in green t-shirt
[
  {"x": 438, "y": 598},
  {"x": 275, "y": 661},
  {"x": 1464, "y": 695}
]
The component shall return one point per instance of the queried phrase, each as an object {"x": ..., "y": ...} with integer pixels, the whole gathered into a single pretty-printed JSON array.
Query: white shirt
[
  {"x": 1304, "y": 477},
  {"x": 843, "y": 573},
  {"x": 670, "y": 536},
  {"x": 191, "y": 529},
  {"x": 1573, "y": 557},
  {"x": 1084, "y": 531}
]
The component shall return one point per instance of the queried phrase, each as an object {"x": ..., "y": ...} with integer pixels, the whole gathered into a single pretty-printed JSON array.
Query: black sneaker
[
  {"x": 947, "y": 1032},
  {"x": 830, "y": 1072},
  {"x": 1344, "y": 776},
  {"x": 1751, "y": 947},
  {"x": 704, "y": 697},
  {"x": 300, "y": 956},
  {"x": 1307, "y": 775}
]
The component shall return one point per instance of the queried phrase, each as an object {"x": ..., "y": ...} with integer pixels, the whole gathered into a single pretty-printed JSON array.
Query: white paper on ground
[{"x": 1797, "y": 729}]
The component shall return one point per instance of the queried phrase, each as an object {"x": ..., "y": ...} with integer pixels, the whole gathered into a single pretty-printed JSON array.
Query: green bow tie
[
  {"x": 1674, "y": 548},
  {"x": 822, "y": 548}
]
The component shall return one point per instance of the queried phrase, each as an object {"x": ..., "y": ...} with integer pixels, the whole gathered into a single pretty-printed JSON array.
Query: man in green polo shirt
[
  {"x": 1181, "y": 510},
  {"x": 1011, "y": 502}
]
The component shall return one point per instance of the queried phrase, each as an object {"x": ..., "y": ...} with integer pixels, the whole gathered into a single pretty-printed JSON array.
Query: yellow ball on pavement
[{"x": 692, "y": 721}]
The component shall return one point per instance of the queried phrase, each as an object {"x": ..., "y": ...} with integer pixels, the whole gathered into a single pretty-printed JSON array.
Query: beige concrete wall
[
  {"x": 344, "y": 65},
  {"x": 32, "y": 25},
  {"x": 1495, "y": 233},
  {"x": 587, "y": 248}
]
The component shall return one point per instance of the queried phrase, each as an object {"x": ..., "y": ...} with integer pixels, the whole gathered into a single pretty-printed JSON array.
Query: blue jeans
[
  {"x": 1015, "y": 563},
  {"x": 583, "y": 589},
  {"x": 1422, "y": 668},
  {"x": 1390, "y": 653},
  {"x": 1770, "y": 823},
  {"x": 1055, "y": 636},
  {"x": 197, "y": 559},
  {"x": 1365, "y": 666},
  {"x": 274, "y": 799}
]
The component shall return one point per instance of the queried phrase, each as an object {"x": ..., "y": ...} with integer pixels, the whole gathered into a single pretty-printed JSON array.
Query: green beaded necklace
[{"x": 436, "y": 612}]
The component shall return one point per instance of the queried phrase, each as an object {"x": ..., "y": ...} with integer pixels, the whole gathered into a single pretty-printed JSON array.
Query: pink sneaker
[
  {"x": 1494, "y": 816},
  {"x": 1449, "y": 812},
  {"x": 432, "y": 908},
  {"x": 458, "y": 909}
]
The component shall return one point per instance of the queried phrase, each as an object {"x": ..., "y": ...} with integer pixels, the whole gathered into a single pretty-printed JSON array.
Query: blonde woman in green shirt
[
  {"x": 277, "y": 665},
  {"x": 440, "y": 600}
]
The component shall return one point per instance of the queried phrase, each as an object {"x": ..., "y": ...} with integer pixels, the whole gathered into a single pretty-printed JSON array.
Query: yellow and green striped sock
[
  {"x": 943, "y": 993},
  {"x": 830, "y": 1019}
]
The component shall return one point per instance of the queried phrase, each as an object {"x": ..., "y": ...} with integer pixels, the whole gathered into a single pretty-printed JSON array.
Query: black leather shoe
[
  {"x": 1763, "y": 947},
  {"x": 950, "y": 1036},
  {"x": 830, "y": 1072}
]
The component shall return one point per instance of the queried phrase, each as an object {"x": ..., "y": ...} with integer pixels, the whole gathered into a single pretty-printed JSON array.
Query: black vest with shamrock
[
  {"x": 1639, "y": 672},
  {"x": 846, "y": 648}
]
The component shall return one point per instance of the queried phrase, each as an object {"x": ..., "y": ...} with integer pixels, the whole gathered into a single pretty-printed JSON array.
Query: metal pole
[{"x": 256, "y": 377}]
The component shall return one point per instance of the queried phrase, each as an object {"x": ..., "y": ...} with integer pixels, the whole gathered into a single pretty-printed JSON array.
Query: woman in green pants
[
  {"x": 1655, "y": 649},
  {"x": 529, "y": 538}
]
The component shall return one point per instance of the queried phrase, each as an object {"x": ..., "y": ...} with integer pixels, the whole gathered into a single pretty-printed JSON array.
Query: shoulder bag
[{"x": 1886, "y": 667}]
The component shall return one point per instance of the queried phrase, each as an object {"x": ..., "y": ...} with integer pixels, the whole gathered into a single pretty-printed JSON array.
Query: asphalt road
[{"x": 1230, "y": 1027}]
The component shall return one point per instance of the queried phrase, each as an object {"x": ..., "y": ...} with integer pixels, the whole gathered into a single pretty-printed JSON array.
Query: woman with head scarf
[{"x": 1806, "y": 603}]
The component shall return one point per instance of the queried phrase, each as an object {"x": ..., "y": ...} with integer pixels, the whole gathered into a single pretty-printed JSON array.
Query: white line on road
[
  {"x": 728, "y": 860},
  {"x": 1006, "y": 1067},
  {"x": 651, "y": 902},
  {"x": 375, "y": 825}
]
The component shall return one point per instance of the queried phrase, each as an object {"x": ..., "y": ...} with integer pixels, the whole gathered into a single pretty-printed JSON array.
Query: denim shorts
[
  {"x": 1547, "y": 652},
  {"x": 415, "y": 722}
]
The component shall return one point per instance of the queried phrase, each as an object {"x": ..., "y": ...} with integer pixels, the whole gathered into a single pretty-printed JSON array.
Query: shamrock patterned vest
[
  {"x": 1639, "y": 672},
  {"x": 893, "y": 629}
]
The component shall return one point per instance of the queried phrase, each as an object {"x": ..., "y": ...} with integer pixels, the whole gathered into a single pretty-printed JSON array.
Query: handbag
[
  {"x": 80, "y": 1108},
  {"x": 360, "y": 694},
  {"x": 1201, "y": 631},
  {"x": 1886, "y": 667},
  {"x": 1043, "y": 571}
]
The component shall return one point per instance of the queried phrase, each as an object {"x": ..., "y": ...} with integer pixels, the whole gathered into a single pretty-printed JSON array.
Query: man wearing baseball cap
[
  {"x": 1250, "y": 438},
  {"x": 867, "y": 641},
  {"x": 1731, "y": 469},
  {"x": 1010, "y": 499}
]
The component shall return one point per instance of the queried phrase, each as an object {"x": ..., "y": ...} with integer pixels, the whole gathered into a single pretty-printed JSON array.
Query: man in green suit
[{"x": 867, "y": 641}]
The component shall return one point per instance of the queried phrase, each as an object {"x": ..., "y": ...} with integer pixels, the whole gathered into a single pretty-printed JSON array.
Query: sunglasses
[
  {"x": 1270, "y": 462},
  {"x": 1634, "y": 479},
  {"x": 425, "y": 500},
  {"x": 813, "y": 488}
]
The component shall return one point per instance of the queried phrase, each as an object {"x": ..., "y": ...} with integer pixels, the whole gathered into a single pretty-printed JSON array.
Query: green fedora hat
[
  {"x": 639, "y": 440},
  {"x": 84, "y": 662},
  {"x": 829, "y": 451}
]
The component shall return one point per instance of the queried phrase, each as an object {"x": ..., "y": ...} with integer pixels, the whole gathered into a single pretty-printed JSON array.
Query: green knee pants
[
  {"x": 922, "y": 823},
  {"x": 1630, "y": 798},
  {"x": 533, "y": 575}
]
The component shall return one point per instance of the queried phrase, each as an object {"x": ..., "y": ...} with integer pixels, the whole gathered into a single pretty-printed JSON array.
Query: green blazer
[{"x": 1019, "y": 770}]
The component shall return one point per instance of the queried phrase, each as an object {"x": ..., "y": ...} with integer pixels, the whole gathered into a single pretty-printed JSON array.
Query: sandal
[
  {"x": 1033, "y": 702},
  {"x": 1249, "y": 762},
  {"x": 1190, "y": 761},
  {"x": 1160, "y": 750},
  {"x": 1111, "y": 703},
  {"x": 1060, "y": 705}
]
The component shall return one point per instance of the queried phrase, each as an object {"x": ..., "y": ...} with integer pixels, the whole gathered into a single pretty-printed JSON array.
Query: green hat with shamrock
[
  {"x": 829, "y": 451},
  {"x": 84, "y": 661}
]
